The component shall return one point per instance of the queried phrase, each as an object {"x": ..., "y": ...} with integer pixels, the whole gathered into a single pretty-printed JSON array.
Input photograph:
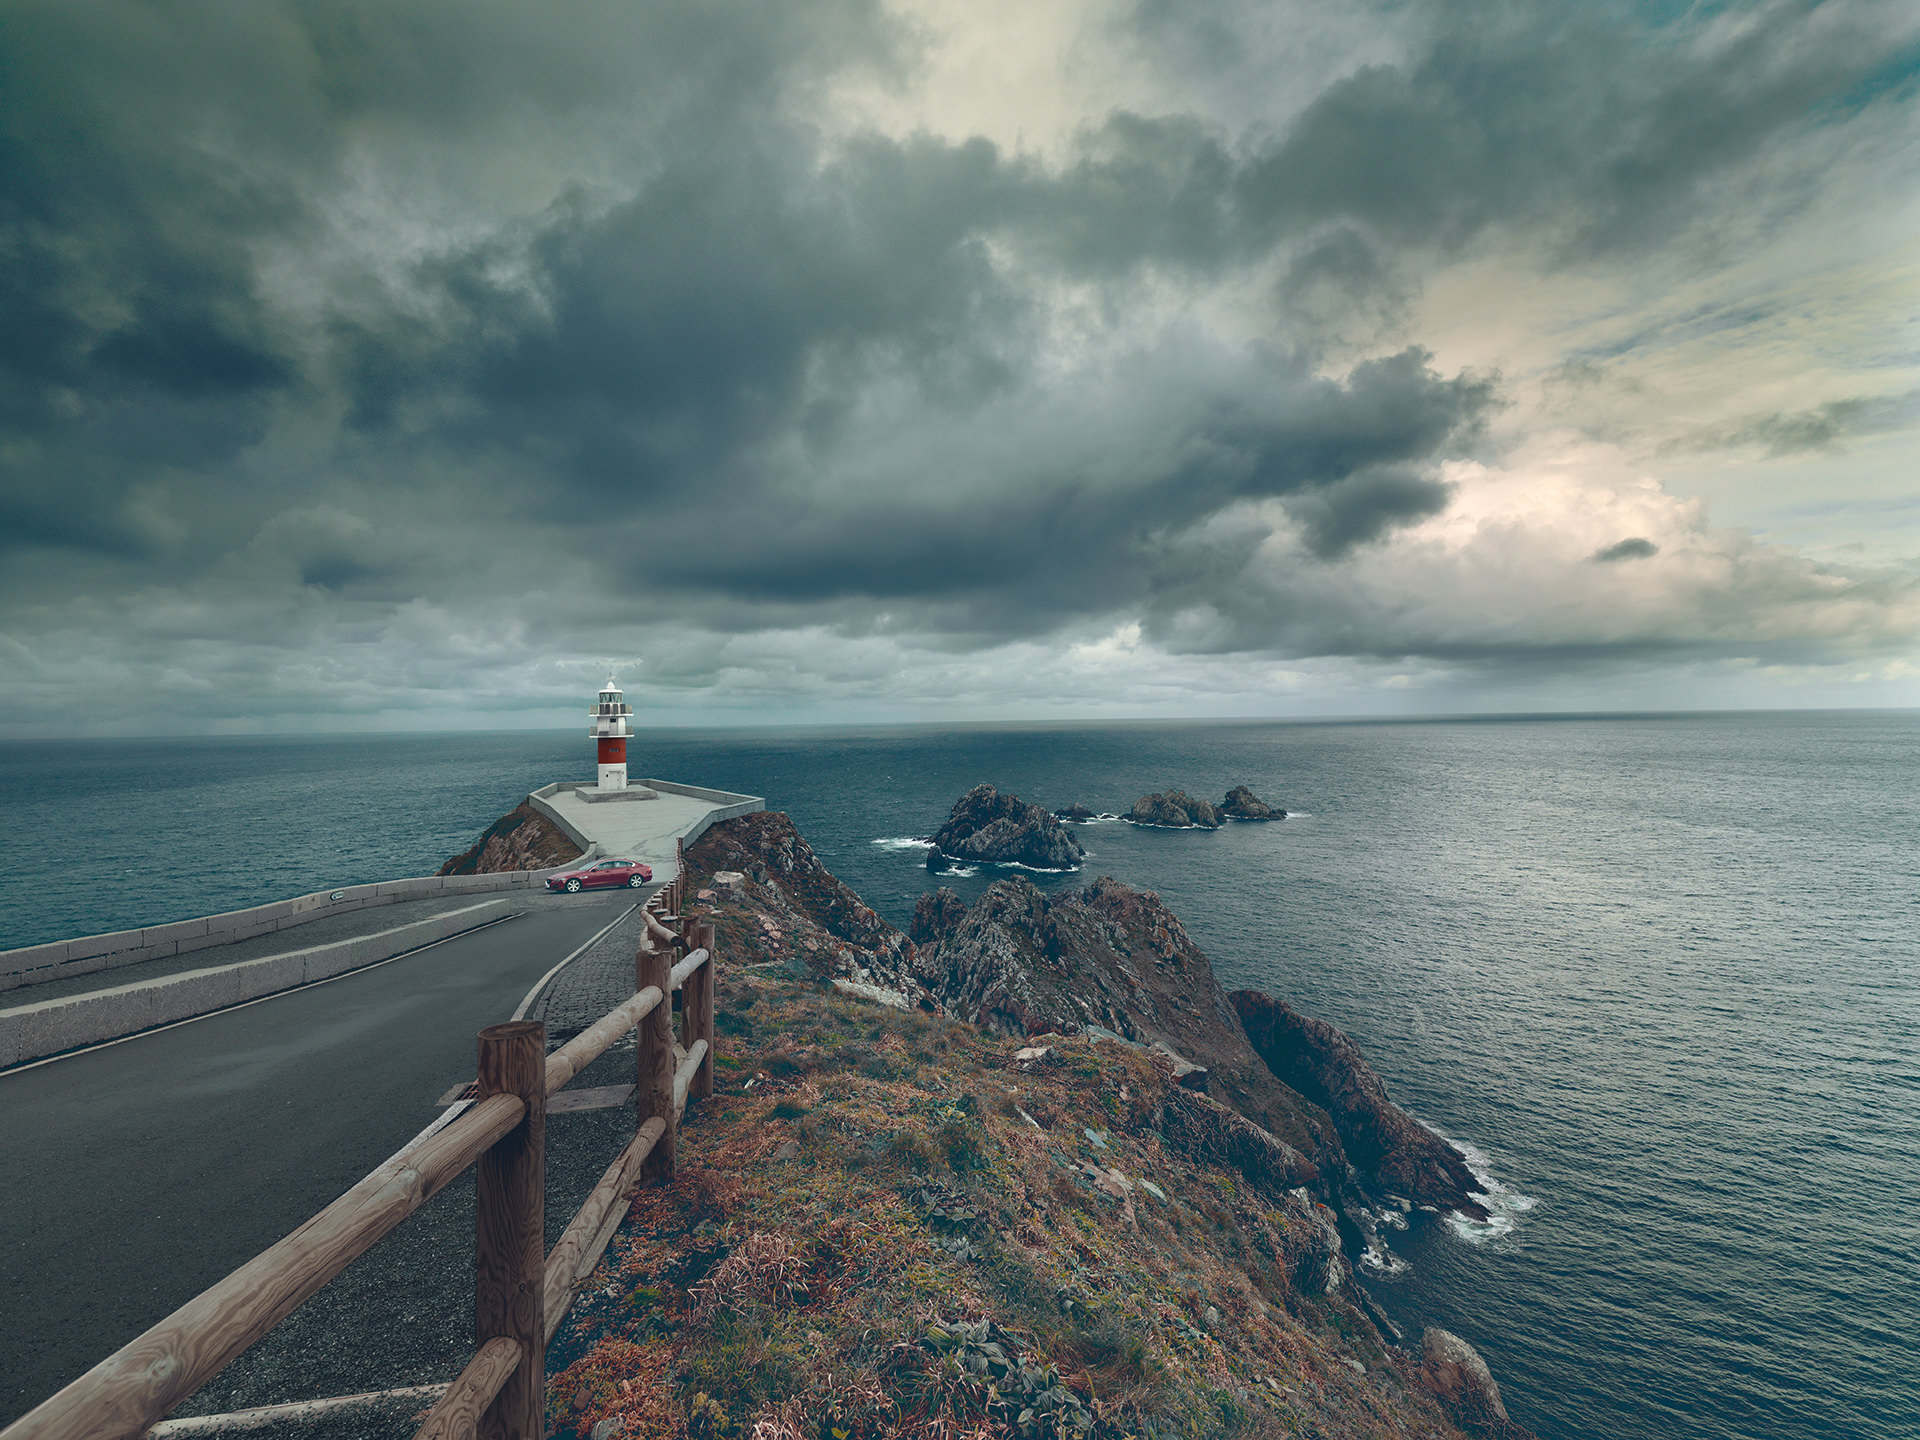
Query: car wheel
[
  {"x": 636, "y": 880},
  {"x": 573, "y": 885}
]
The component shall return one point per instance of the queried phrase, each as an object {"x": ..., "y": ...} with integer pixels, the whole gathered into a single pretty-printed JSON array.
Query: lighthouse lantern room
[{"x": 612, "y": 726}]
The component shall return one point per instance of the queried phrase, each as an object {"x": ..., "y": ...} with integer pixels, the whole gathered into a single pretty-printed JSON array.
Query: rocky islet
[{"x": 986, "y": 827}]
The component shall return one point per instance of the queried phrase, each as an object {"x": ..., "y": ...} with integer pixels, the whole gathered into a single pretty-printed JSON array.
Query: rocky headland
[
  {"x": 522, "y": 839},
  {"x": 986, "y": 827},
  {"x": 1026, "y": 1060},
  {"x": 1022, "y": 1172}
]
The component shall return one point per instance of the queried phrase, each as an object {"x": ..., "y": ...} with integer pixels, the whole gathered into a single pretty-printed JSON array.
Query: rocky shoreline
[{"x": 1102, "y": 986}]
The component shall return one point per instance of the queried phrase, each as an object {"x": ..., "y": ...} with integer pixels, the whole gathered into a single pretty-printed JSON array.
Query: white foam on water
[
  {"x": 1378, "y": 1260},
  {"x": 1504, "y": 1207},
  {"x": 903, "y": 842}
]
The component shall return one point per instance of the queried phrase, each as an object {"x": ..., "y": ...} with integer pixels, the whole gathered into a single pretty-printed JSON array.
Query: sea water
[{"x": 1656, "y": 975}]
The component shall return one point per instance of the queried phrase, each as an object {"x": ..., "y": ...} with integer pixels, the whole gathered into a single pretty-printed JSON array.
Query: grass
[{"x": 933, "y": 1263}]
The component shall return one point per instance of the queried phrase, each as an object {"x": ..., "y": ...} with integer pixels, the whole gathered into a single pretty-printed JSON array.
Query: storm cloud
[{"x": 352, "y": 358}]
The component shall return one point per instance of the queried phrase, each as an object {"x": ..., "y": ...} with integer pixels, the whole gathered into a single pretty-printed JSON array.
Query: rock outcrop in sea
[
  {"x": 988, "y": 827},
  {"x": 1075, "y": 814},
  {"x": 1243, "y": 804},
  {"x": 1176, "y": 810}
]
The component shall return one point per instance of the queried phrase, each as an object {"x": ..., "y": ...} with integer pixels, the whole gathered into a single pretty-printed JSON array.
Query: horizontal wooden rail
[
  {"x": 263, "y": 1417},
  {"x": 590, "y": 1044},
  {"x": 140, "y": 1382},
  {"x": 687, "y": 966},
  {"x": 579, "y": 1250},
  {"x": 125, "y": 1395},
  {"x": 457, "y": 1416},
  {"x": 684, "y": 1075}
]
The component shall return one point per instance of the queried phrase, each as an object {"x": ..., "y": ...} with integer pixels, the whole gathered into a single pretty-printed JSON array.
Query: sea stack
[{"x": 611, "y": 726}]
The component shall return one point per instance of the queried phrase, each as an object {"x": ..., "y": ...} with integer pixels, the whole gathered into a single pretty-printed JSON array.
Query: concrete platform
[{"x": 641, "y": 829}]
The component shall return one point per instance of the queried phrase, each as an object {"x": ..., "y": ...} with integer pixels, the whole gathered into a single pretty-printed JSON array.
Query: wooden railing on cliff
[{"x": 521, "y": 1295}]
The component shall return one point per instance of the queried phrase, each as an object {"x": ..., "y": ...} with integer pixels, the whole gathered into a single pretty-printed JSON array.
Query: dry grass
[{"x": 866, "y": 1184}]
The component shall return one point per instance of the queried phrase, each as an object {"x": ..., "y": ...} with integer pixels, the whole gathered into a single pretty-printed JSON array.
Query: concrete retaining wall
[
  {"x": 29, "y": 1032},
  {"x": 59, "y": 958},
  {"x": 730, "y": 805},
  {"x": 542, "y": 800}
]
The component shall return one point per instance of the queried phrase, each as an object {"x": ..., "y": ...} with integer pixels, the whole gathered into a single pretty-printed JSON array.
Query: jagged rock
[
  {"x": 1322, "y": 1064},
  {"x": 1453, "y": 1372},
  {"x": 1075, "y": 814},
  {"x": 1201, "y": 1128},
  {"x": 1182, "y": 1071},
  {"x": 992, "y": 828},
  {"x": 1107, "y": 957},
  {"x": 522, "y": 839},
  {"x": 878, "y": 994},
  {"x": 1175, "y": 810},
  {"x": 936, "y": 914},
  {"x": 784, "y": 905},
  {"x": 1243, "y": 804}
]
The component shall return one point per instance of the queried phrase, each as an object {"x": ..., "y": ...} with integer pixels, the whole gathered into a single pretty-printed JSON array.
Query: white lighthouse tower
[{"x": 612, "y": 726}]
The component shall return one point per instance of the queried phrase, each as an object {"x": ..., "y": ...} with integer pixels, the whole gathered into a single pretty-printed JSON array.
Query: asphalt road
[{"x": 134, "y": 1176}]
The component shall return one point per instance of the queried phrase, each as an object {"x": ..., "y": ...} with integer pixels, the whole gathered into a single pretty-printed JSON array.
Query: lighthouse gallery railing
[{"x": 521, "y": 1294}]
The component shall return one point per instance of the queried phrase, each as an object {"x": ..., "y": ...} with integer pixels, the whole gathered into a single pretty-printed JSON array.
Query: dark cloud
[
  {"x": 1636, "y": 548},
  {"x": 320, "y": 305},
  {"x": 1820, "y": 428}
]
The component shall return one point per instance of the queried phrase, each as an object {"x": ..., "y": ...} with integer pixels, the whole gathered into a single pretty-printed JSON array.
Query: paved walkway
[{"x": 593, "y": 984}]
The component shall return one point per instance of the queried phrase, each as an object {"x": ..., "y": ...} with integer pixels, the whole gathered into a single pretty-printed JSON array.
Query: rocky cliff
[
  {"x": 1020, "y": 962},
  {"x": 1318, "y": 1061},
  {"x": 775, "y": 903},
  {"x": 522, "y": 839},
  {"x": 988, "y": 827},
  {"x": 1148, "y": 1233}
]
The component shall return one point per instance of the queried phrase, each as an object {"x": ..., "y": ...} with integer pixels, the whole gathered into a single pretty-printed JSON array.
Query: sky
[{"x": 370, "y": 366}]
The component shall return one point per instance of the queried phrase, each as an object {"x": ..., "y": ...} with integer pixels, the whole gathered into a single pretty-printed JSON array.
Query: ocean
[{"x": 1657, "y": 975}]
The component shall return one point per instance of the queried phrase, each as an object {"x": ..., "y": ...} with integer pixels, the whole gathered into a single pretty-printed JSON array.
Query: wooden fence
[{"x": 521, "y": 1293}]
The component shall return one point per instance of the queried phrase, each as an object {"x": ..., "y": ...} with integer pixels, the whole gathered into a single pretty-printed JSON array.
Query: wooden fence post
[
  {"x": 697, "y": 1017},
  {"x": 654, "y": 1048},
  {"x": 510, "y": 1244}
]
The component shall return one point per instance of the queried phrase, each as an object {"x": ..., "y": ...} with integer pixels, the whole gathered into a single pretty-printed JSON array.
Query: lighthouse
[{"x": 612, "y": 724}]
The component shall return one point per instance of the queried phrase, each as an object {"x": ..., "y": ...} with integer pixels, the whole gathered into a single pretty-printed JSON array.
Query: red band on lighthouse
[{"x": 612, "y": 723}]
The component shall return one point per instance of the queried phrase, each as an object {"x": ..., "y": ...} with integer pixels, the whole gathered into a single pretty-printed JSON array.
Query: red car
[{"x": 602, "y": 875}]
